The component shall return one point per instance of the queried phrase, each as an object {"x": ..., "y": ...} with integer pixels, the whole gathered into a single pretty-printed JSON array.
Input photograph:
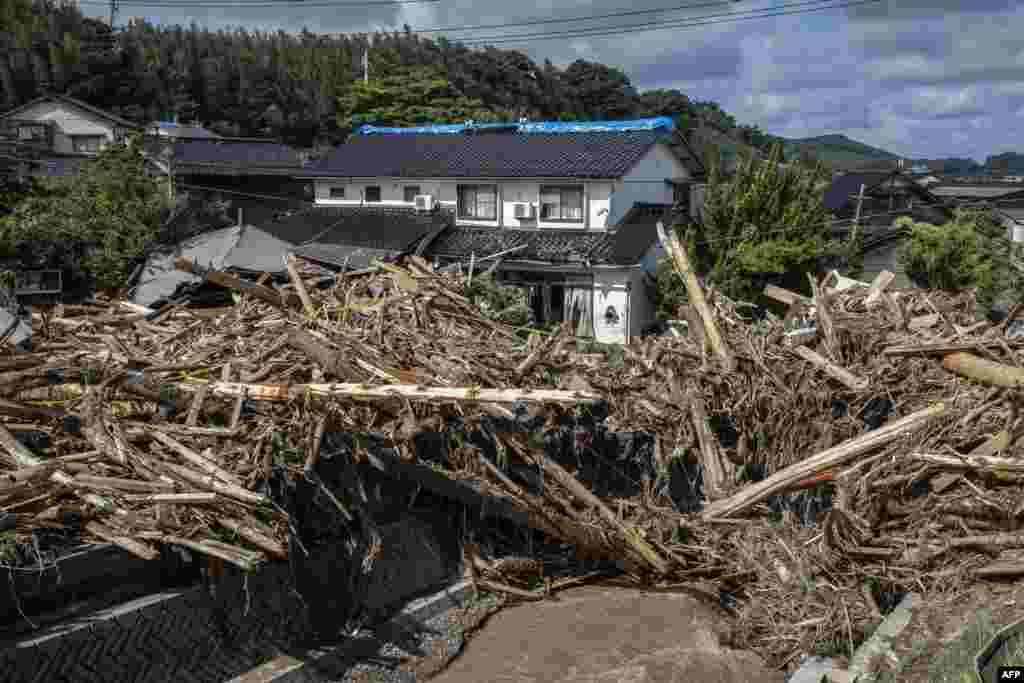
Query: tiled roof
[
  {"x": 625, "y": 245},
  {"x": 96, "y": 111},
  {"x": 231, "y": 153},
  {"x": 509, "y": 155},
  {"x": 838, "y": 194},
  {"x": 329, "y": 234}
]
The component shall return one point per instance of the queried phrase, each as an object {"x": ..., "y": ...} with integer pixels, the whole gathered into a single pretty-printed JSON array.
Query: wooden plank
[
  {"x": 282, "y": 392},
  {"x": 300, "y": 287}
]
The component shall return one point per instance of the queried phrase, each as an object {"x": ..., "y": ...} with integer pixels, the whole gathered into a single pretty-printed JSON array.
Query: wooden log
[
  {"x": 281, "y": 392},
  {"x": 210, "y": 483},
  {"x": 831, "y": 458},
  {"x": 255, "y": 536},
  {"x": 985, "y": 371},
  {"x": 785, "y": 296},
  {"x": 834, "y": 371},
  {"x": 944, "y": 348},
  {"x": 246, "y": 560},
  {"x": 330, "y": 361},
  {"x": 878, "y": 285},
  {"x": 133, "y": 546},
  {"x": 696, "y": 295},
  {"x": 197, "y": 404},
  {"x": 300, "y": 287},
  {"x": 196, "y": 459},
  {"x": 117, "y": 484},
  {"x": 45, "y": 468},
  {"x": 828, "y": 330},
  {"x": 202, "y": 498},
  {"x": 980, "y": 463},
  {"x": 716, "y": 479},
  {"x": 21, "y": 454},
  {"x": 641, "y": 547}
]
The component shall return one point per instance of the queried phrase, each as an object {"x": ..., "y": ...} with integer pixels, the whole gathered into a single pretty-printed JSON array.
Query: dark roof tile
[
  {"x": 626, "y": 245},
  {"x": 248, "y": 153},
  {"x": 527, "y": 155}
]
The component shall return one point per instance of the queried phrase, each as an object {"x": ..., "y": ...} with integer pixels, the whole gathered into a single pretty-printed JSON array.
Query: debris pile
[{"x": 165, "y": 429}]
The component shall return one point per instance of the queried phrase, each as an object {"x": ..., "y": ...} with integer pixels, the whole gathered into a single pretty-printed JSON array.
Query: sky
[{"x": 920, "y": 78}]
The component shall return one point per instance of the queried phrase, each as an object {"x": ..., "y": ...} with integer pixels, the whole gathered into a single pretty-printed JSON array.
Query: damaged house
[{"x": 567, "y": 211}]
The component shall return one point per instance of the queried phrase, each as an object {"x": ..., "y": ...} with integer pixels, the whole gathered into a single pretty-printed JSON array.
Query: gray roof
[
  {"x": 96, "y": 111},
  {"x": 975, "y": 191},
  {"x": 243, "y": 248},
  {"x": 488, "y": 155}
]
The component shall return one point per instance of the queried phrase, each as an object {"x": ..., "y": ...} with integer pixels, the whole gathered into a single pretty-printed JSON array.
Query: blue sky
[{"x": 922, "y": 78}]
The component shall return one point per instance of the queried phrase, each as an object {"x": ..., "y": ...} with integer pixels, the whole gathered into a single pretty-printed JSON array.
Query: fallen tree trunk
[
  {"x": 982, "y": 370},
  {"x": 828, "y": 459}
]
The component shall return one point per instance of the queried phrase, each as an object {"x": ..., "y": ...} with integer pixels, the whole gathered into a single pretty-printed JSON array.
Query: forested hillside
[{"x": 305, "y": 88}]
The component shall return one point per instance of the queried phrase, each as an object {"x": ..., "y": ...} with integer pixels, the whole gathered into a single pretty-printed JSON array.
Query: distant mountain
[{"x": 836, "y": 150}]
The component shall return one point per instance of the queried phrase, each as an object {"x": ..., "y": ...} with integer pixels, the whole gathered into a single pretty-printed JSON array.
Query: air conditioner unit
[
  {"x": 424, "y": 202},
  {"x": 523, "y": 210}
]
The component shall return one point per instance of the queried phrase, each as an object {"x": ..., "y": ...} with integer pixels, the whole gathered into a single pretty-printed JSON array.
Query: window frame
[
  {"x": 77, "y": 139},
  {"x": 476, "y": 187},
  {"x": 366, "y": 194},
  {"x": 336, "y": 192},
  {"x": 561, "y": 190},
  {"x": 410, "y": 198}
]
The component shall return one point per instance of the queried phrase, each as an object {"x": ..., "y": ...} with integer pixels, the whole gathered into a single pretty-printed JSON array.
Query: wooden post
[
  {"x": 300, "y": 286},
  {"x": 681, "y": 261}
]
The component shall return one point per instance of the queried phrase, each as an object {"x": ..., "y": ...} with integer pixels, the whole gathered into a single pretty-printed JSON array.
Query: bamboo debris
[
  {"x": 984, "y": 370},
  {"x": 831, "y": 369}
]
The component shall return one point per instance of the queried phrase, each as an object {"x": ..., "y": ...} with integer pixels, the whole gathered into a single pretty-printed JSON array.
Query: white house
[
  {"x": 571, "y": 213},
  {"x": 62, "y": 125}
]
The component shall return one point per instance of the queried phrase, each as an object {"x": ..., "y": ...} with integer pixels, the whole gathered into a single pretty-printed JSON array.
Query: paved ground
[{"x": 605, "y": 635}]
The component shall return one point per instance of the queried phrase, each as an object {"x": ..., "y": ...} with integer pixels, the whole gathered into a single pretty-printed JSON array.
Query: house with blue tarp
[{"x": 566, "y": 210}]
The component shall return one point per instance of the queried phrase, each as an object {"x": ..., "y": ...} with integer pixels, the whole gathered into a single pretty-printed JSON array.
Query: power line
[
  {"x": 173, "y": 4},
  {"x": 650, "y": 26},
  {"x": 610, "y": 15}
]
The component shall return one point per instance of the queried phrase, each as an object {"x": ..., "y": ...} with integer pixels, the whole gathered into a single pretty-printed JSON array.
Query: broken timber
[{"x": 284, "y": 392}]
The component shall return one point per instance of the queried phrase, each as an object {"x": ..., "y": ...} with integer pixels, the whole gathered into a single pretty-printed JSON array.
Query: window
[
  {"x": 410, "y": 193},
  {"x": 561, "y": 203},
  {"x": 337, "y": 192},
  {"x": 479, "y": 202},
  {"x": 86, "y": 144},
  {"x": 372, "y": 193},
  {"x": 32, "y": 132}
]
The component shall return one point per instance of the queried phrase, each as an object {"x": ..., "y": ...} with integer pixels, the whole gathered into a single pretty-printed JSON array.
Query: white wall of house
[
  {"x": 73, "y": 125},
  {"x": 645, "y": 182},
  {"x": 622, "y": 305},
  {"x": 605, "y": 202}
]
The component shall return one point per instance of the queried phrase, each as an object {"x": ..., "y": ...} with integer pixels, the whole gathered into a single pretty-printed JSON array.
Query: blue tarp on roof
[{"x": 657, "y": 123}]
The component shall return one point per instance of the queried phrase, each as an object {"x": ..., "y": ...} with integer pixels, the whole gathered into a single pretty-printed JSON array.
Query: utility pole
[
  {"x": 856, "y": 216},
  {"x": 114, "y": 6},
  {"x": 366, "y": 64}
]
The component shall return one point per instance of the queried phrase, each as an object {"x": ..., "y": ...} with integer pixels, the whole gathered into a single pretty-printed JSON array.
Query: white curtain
[{"x": 579, "y": 311}]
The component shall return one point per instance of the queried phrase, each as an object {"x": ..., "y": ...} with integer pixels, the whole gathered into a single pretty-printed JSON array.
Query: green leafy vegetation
[
  {"x": 101, "y": 220},
  {"x": 501, "y": 303},
  {"x": 973, "y": 250},
  {"x": 8, "y": 547},
  {"x": 307, "y": 89},
  {"x": 283, "y": 452},
  {"x": 764, "y": 222}
]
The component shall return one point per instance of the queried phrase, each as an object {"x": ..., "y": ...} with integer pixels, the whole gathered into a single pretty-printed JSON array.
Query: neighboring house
[
  {"x": 570, "y": 193},
  {"x": 887, "y": 196},
  {"x": 62, "y": 125},
  {"x": 171, "y": 129},
  {"x": 963, "y": 193},
  {"x": 256, "y": 176},
  {"x": 352, "y": 237},
  {"x": 244, "y": 249}
]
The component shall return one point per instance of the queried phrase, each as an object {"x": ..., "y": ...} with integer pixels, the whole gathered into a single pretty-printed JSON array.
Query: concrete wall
[
  {"x": 70, "y": 121},
  {"x": 605, "y": 201}
]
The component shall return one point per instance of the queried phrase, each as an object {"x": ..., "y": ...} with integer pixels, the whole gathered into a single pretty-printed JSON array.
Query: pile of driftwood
[{"x": 164, "y": 428}]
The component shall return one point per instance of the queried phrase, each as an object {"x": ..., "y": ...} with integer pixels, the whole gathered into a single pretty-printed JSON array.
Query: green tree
[
  {"x": 105, "y": 217},
  {"x": 765, "y": 223},
  {"x": 406, "y": 96},
  {"x": 971, "y": 251}
]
